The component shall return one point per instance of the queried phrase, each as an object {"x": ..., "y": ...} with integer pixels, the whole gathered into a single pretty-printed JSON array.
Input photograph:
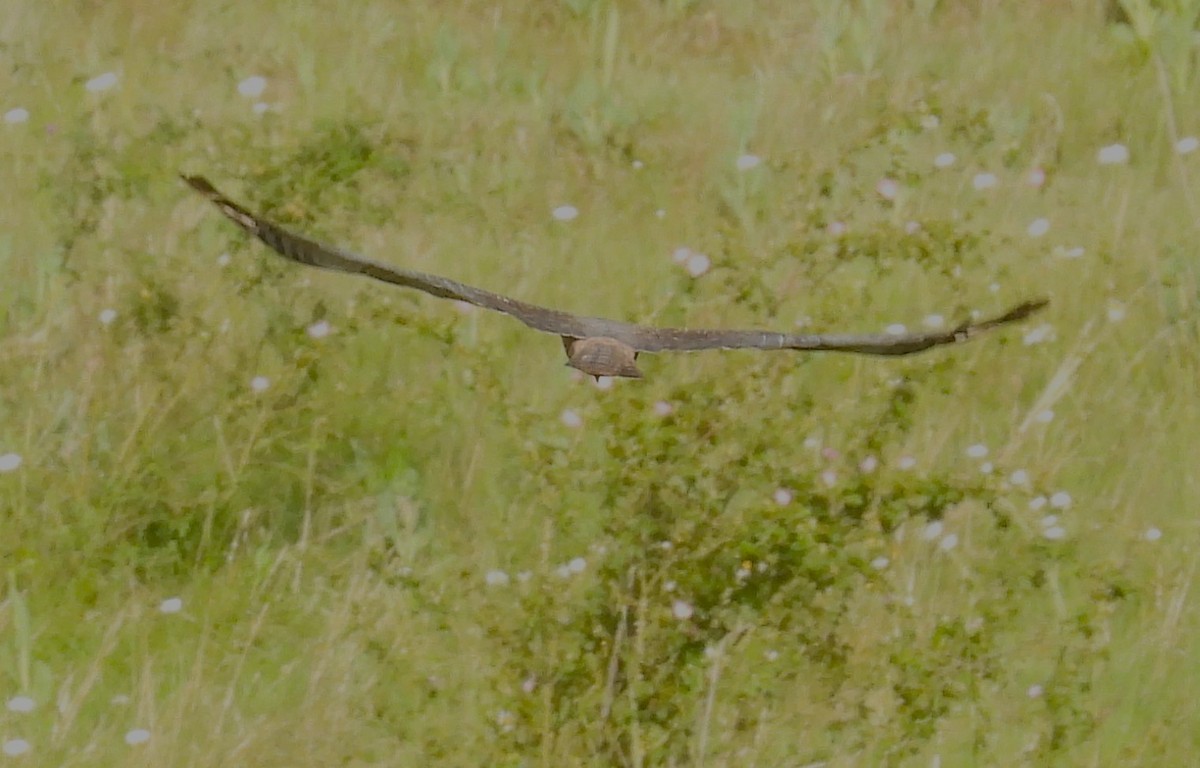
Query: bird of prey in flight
[{"x": 595, "y": 345}]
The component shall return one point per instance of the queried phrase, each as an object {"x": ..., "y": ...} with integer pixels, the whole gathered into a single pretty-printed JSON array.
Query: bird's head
[{"x": 602, "y": 356}]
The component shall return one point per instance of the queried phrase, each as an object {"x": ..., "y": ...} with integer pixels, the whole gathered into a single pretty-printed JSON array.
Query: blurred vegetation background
[{"x": 260, "y": 515}]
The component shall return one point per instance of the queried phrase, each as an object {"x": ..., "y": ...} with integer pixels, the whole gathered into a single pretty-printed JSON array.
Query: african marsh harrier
[{"x": 595, "y": 345}]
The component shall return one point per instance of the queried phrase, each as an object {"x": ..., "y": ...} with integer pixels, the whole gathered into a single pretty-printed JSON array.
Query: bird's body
[
  {"x": 597, "y": 346},
  {"x": 601, "y": 356}
]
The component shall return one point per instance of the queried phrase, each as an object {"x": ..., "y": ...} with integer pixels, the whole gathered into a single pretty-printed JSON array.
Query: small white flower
[
  {"x": 663, "y": 408},
  {"x": 986, "y": 467},
  {"x": 1036, "y": 178},
  {"x": 223, "y": 260},
  {"x": 529, "y": 684},
  {"x": 604, "y": 383},
  {"x": 319, "y": 329},
  {"x": 984, "y": 181},
  {"x": 1049, "y": 521},
  {"x": 1020, "y": 477},
  {"x": 682, "y": 610},
  {"x": 829, "y": 477},
  {"x": 669, "y": 585},
  {"x": 1045, "y": 417},
  {"x": 1060, "y": 500},
  {"x": 571, "y": 419},
  {"x": 1075, "y": 252},
  {"x": 680, "y": 254},
  {"x": 101, "y": 82},
  {"x": 929, "y": 122},
  {"x": 1055, "y": 533},
  {"x": 1038, "y": 227},
  {"x": 137, "y": 736},
  {"x": 496, "y": 578},
  {"x": 906, "y": 462},
  {"x": 836, "y": 228},
  {"x": 661, "y": 213},
  {"x": 565, "y": 213},
  {"x": 1187, "y": 145},
  {"x": 1037, "y": 502},
  {"x": 252, "y": 87},
  {"x": 563, "y": 571},
  {"x": 868, "y": 465},
  {"x": 912, "y": 228},
  {"x": 260, "y": 383},
  {"x": 524, "y": 576},
  {"x": 772, "y": 655},
  {"x": 880, "y": 563},
  {"x": 944, "y": 160},
  {"x": 1116, "y": 312},
  {"x": 171, "y": 605},
  {"x": 1034, "y": 691},
  {"x": 20, "y": 704},
  {"x": 896, "y": 329},
  {"x": 934, "y": 321},
  {"x": 812, "y": 443},
  {"x": 747, "y": 162},
  {"x": 782, "y": 497},
  {"x": 1039, "y": 335},
  {"x": 9, "y": 461},
  {"x": 1152, "y": 534},
  {"x": 948, "y": 542},
  {"x": 887, "y": 188},
  {"x": 261, "y": 108},
  {"x": 698, "y": 264},
  {"x": 1113, "y": 154},
  {"x": 16, "y": 115},
  {"x": 977, "y": 451},
  {"x": 16, "y": 747},
  {"x": 933, "y": 530},
  {"x": 107, "y": 316},
  {"x": 577, "y": 565},
  {"x": 638, "y": 165}
]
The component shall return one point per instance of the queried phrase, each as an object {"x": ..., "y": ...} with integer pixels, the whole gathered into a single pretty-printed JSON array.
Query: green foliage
[{"x": 389, "y": 545}]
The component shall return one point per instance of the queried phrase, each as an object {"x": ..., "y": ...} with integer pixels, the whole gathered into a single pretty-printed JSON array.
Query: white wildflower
[
  {"x": 101, "y": 82},
  {"x": 1038, "y": 227},
  {"x": 746, "y": 162},
  {"x": 984, "y": 181},
  {"x": 1113, "y": 154},
  {"x": 565, "y": 213},
  {"x": 252, "y": 87},
  {"x": 137, "y": 736}
]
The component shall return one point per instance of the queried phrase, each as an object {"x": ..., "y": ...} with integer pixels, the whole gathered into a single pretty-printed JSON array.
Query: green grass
[{"x": 333, "y": 537}]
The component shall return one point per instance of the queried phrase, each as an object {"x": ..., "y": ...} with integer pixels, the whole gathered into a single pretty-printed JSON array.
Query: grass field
[{"x": 259, "y": 515}]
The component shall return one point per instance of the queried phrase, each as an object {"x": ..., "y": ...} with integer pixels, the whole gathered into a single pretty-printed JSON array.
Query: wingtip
[
  {"x": 1024, "y": 310},
  {"x": 200, "y": 184}
]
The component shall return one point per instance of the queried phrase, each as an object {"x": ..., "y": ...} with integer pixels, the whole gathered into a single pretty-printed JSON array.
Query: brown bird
[{"x": 595, "y": 345}]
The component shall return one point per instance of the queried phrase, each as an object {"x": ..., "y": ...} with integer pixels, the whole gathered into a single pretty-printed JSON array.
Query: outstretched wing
[
  {"x": 664, "y": 339},
  {"x": 640, "y": 337},
  {"x": 314, "y": 254}
]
